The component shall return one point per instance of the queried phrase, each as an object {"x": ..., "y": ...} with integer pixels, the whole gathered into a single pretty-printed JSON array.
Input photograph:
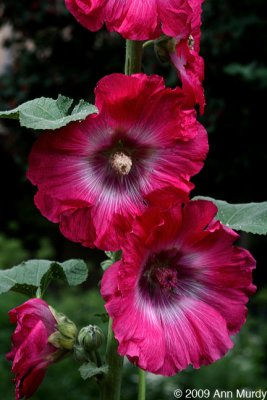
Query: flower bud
[
  {"x": 163, "y": 46},
  {"x": 66, "y": 333},
  {"x": 32, "y": 353},
  {"x": 91, "y": 337}
]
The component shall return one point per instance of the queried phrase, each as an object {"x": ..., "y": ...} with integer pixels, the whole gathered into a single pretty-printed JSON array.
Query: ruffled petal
[
  {"x": 89, "y": 13},
  {"x": 130, "y": 327},
  {"x": 190, "y": 67},
  {"x": 31, "y": 350},
  {"x": 59, "y": 164},
  {"x": 133, "y": 19},
  {"x": 223, "y": 274},
  {"x": 175, "y": 16},
  {"x": 128, "y": 99},
  {"x": 197, "y": 335},
  {"x": 28, "y": 386}
]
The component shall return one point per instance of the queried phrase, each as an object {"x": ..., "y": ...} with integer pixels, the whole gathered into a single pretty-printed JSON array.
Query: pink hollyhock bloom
[
  {"x": 133, "y": 19},
  {"x": 141, "y": 149},
  {"x": 31, "y": 353},
  {"x": 190, "y": 65},
  {"x": 180, "y": 290}
]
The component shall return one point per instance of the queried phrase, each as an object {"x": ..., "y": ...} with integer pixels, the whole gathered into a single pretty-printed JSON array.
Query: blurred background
[{"x": 44, "y": 52}]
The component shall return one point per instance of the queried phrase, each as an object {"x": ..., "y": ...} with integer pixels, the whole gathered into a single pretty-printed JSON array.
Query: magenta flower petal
[
  {"x": 133, "y": 19},
  {"x": 175, "y": 16},
  {"x": 90, "y": 14},
  {"x": 31, "y": 382},
  {"x": 180, "y": 290},
  {"x": 188, "y": 62},
  {"x": 94, "y": 176}
]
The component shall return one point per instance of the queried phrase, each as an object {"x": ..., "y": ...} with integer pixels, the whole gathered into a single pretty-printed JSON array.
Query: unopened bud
[
  {"x": 91, "y": 337},
  {"x": 163, "y": 46}
]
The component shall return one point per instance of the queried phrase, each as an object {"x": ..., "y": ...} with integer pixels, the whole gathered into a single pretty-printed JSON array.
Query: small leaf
[
  {"x": 247, "y": 217},
  {"x": 33, "y": 276},
  {"x": 113, "y": 256},
  {"x": 47, "y": 113},
  {"x": 90, "y": 369}
]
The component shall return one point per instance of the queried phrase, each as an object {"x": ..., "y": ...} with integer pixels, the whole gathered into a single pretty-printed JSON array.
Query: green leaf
[
  {"x": 113, "y": 256},
  {"x": 35, "y": 275},
  {"x": 90, "y": 369},
  {"x": 12, "y": 114},
  {"x": 47, "y": 113},
  {"x": 248, "y": 217}
]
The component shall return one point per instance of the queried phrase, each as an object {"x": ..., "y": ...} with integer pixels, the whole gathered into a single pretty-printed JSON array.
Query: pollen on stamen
[
  {"x": 121, "y": 163},
  {"x": 191, "y": 42}
]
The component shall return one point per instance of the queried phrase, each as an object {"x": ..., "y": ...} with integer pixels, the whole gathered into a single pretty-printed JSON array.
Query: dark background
[{"x": 51, "y": 54}]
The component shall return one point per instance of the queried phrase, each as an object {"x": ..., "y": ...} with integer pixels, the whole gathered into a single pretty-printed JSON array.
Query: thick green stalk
[
  {"x": 133, "y": 57},
  {"x": 133, "y": 64},
  {"x": 142, "y": 385},
  {"x": 110, "y": 386}
]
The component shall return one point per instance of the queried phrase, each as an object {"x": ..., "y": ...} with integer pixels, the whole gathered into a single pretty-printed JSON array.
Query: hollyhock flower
[
  {"x": 133, "y": 19},
  {"x": 32, "y": 350},
  {"x": 141, "y": 149},
  {"x": 183, "y": 51},
  {"x": 190, "y": 65},
  {"x": 180, "y": 290}
]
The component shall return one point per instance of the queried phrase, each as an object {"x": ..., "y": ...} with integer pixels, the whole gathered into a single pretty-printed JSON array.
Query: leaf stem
[
  {"x": 142, "y": 385},
  {"x": 111, "y": 385},
  {"x": 148, "y": 43}
]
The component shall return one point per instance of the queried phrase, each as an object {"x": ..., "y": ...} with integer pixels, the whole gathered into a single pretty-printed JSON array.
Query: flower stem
[
  {"x": 142, "y": 385},
  {"x": 133, "y": 57},
  {"x": 111, "y": 384}
]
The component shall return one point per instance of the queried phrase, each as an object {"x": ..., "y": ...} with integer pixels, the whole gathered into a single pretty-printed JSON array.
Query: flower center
[
  {"x": 165, "y": 277},
  {"x": 121, "y": 163},
  {"x": 160, "y": 274}
]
